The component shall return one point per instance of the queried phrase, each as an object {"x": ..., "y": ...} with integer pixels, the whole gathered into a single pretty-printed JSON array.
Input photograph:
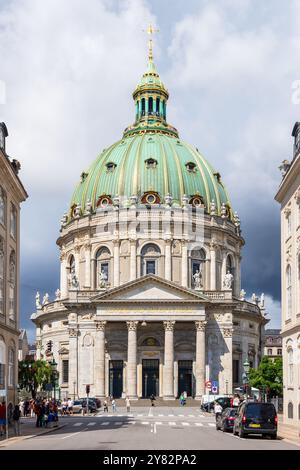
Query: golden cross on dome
[{"x": 151, "y": 30}]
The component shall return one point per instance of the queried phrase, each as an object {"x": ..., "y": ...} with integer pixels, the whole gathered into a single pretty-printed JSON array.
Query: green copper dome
[{"x": 150, "y": 162}]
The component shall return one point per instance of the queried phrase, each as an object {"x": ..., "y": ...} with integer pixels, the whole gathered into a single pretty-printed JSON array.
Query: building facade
[
  {"x": 273, "y": 344},
  {"x": 12, "y": 193},
  {"x": 288, "y": 197},
  {"x": 150, "y": 296}
]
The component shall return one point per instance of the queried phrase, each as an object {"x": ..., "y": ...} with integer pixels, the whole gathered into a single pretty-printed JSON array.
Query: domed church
[{"x": 150, "y": 298}]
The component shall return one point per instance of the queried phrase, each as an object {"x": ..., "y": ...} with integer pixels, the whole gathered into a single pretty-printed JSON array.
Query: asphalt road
[{"x": 146, "y": 429}]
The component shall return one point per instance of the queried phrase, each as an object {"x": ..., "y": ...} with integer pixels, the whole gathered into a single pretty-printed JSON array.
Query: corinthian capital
[
  {"x": 100, "y": 325},
  {"x": 227, "y": 332},
  {"x": 200, "y": 325},
  {"x": 73, "y": 332},
  {"x": 169, "y": 325},
  {"x": 132, "y": 325}
]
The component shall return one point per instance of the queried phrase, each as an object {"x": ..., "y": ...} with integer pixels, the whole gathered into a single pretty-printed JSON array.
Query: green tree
[
  {"x": 268, "y": 376},
  {"x": 33, "y": 375}
]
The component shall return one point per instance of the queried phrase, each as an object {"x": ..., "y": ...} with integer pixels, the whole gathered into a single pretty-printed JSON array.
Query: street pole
[{"x": 6, "y": 399}]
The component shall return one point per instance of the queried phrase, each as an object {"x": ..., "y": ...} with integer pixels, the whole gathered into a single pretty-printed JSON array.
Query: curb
[{"x": 14, "y": 439}]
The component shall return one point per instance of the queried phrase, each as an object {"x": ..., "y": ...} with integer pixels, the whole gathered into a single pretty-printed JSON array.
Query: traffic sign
[
  {"x": 208, "y": 384},
  {"x": 215, "y": 387}
]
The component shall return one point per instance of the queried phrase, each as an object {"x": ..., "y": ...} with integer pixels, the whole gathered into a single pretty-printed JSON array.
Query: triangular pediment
[{"x": 150, "y": 288}]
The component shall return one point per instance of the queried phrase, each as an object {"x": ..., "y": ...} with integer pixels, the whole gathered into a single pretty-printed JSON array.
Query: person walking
[
  {"x": 128, "y": 404},
  {"x": 70, "y": 406},
  {"x": 105, "y": 406},
  {"x": 16, "y": 420},
  {"x": 217, "y": 409},
  {"x": 236, "y": 400},
  {"x": 2, "y": 418},
  {"x": 152, "y": 399},
  {"x": 114, "y": 405},
  {"x": 181, "y": 400}
]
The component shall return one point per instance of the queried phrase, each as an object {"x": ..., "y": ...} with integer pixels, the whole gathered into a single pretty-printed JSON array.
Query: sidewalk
[{"x": 28, "y": 429}]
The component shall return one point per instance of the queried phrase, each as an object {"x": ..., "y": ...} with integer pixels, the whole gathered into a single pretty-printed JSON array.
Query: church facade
[{"x": 150, "y": 298}]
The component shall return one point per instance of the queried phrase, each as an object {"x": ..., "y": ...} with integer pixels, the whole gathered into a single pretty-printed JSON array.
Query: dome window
[
  {"x": 83, "y": 176},
  {"x": 151, "y": 163},
  {"x": 110, "y": 167},
  {"x": 197, "y": 201},
  {"x": 104, "y": 201},
  {"x": 218, "y": 177},
  {"x": 150, "y": 198},
  {"x": 190, "y": 166}
]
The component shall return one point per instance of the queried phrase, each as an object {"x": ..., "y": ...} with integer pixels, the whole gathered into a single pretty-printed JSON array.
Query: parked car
[
  {"x": 256, "y": 418},
  {"x": 225, "y": 421},
  {"x": 223, "y": 401}
]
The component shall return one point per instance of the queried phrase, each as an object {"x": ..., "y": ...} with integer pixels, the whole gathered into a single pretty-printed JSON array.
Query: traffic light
[
  {"x": 49, "y": 346},
  {"x": 87, "y": 389}
]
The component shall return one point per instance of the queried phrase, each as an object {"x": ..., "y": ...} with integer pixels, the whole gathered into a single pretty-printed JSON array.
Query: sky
[{"x": 67, "y": 72}]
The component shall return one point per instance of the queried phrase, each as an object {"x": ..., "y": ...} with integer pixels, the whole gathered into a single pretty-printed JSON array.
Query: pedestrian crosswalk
[
  {"x": 124, "y": 423},
  {"x": 141, "y": 415}
]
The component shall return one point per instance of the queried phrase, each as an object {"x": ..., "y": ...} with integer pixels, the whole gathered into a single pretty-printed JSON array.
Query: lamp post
[
  {"x": 53, "y": 365},
  {"x": 245, "y": 375}
]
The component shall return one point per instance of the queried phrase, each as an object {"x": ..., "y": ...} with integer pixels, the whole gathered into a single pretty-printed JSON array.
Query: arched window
[
  {"x": 150, "y": 110},
  {"x": 290, "y": 367},
  {"x": 12, "y": 286},
  {"x": 143, "y": 106},
  {"x": 2, "y": 206},
  {"x": 150, "y": 256},
  {"x": 2, "y": 270},
  {"x": 198, "y": 257},
  {"x": 102, "y": 274},
  {"x": 157, "y": 106},
  {"x": 288, "y": 292},
  {"x": 290, "y": 410},
  {"x": 230, "y": 269},
  {"x": 2, "y": 362},
  {"x": 13, "y": 221},
  {"x": 11, "y": 367}
]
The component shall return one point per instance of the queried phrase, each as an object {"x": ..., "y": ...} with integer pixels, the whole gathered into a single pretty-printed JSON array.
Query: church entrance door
[
  {"x": 116, "y": 378},
  {"x": 150, "y": 377},
  {"x": 185, "y": 377}
]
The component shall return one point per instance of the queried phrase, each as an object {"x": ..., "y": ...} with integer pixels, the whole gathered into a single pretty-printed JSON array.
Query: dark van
[{"x": 256, "y": 418}]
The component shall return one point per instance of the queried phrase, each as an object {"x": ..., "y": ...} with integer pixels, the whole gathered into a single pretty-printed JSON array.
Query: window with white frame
[
  {"x": 12, "y": 287},
  {"x": 2, "y": 206},
  {"x": 65, "y": 371},
  {"x": 11, "y": 368},
  {"x": 102, "y": 274},
  {"x": 150, "y": 257},
  {"x": 270, "y": 352},
  {"x": 13, "y": 222},
  {"x": 2, "y": 270},
  {"x": 289, "y": 292},
  {"x": 290, "y": 367}
]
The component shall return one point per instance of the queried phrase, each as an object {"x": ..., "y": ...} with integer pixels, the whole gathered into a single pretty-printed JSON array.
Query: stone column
[
  {"x": 168, "y": 382},
  {"x": 73, "y": 361},
  {"x": 200, "y": 358},
  {"x": 87, "y": 282},
  {"x": 94, "y": 274},
  {"x": 77, "y": 261},
  {"x": 227, "y": 362},
  {"x": 100, "y": 359},
  {"x": 132, "y": 360},
  {"x": 132, "y": 260},
  {"x": 212, "y": 266},
  {"x": 168, "y": 260},
  {"x": 184, "y": 264},
  {"x": 223, "y": 270},
  {"x": 116, "y": 282},
  {"x": 63, "y": 276}
]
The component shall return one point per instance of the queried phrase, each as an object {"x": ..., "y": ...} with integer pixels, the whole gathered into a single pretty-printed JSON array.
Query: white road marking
[
  {"x": 150, "y": 412},
  {"x": 161, "y": 415},
  {"x": 171, "y": 415},
  {"x": 78, "y": 424},
  {"x": 118, "y": 423},
  {"x": 191, "y": 416},
  {"x": 181, "y": 416},
  {"x": 145, "y": 422},
  {"x": 172, "y": 423},
  {"x": 105, "y": 423},
  {"x": 211, "y": 424},
  {"x": 91, "y": 424},
  {"x": 120, "y": 416},
  {"x": 158, "y": 422},
  {"x": 198, "y": 424},
  {"x": 71, "y": 435},
  {"x": 154, "y": 428},
  {"x": 185, "y": 424}
]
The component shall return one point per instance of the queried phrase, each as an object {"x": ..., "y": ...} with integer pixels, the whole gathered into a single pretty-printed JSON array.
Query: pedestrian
[
  {"x": 16, "y": 420},
  {"x": 128, "y": 404},
  {"x": 2, "y": 418},
  {"x": 181, "y": 400},
  {"x": 217, "y": 409},
  {"x": 114, "y": 405},
  {"x": 105, "y": 406},
  {"x": 70, "y": 406},
  {"x": 236, "y": 400},
  {"x": 152, "y": 399},
  {"x": 31, "y": 406}
]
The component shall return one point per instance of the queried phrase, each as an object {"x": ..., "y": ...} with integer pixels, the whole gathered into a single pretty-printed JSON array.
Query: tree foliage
[
  {"x": 33, "y": 375},
  {"x": 268, "y": 376}
]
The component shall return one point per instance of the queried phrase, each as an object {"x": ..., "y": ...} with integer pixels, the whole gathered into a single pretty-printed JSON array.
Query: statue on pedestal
[
  {"x": 38, "y": 301},
  {"x": 242, "y": 294},
  {"x": 228, "y": 280},
  {"x": 197, "y": 277},
  {"x": 102, "y": 279},
  {"x": 57, "y": 294},
  {"x": 46, "y": 299}
]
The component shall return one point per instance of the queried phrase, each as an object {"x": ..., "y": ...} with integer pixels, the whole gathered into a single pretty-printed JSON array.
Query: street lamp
[
  {"x": 53, "y": 365},
  {"x": 245, "y": 375}
]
